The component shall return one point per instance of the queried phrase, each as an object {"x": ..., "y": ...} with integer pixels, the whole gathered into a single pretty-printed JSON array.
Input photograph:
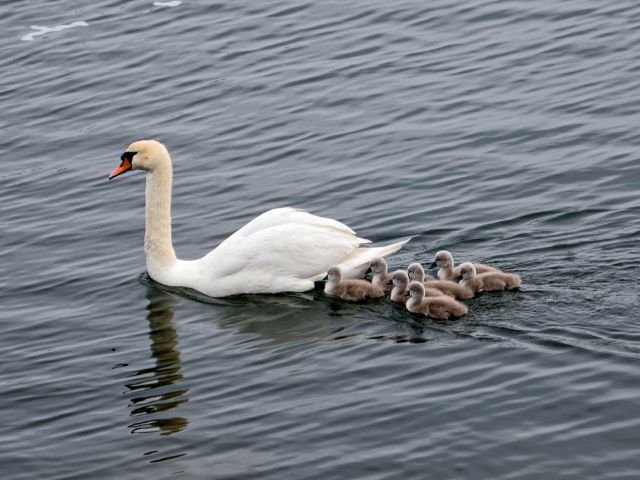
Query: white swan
[{"x": 282, "y": 250}]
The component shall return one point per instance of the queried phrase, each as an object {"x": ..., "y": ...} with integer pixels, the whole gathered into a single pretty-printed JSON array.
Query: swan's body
[
  {"x": 448, "y": 271},
  {"x": 350, "y": 289},
  {"x": 452, "y": 289},
  {"x": 282, "y": 250},
  {"x": 487, "y": 282},
  {"x": 440, "y": 307}
]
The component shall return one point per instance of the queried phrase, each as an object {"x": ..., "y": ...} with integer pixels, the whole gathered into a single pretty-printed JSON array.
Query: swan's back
[{"x": 290, "y": 216}]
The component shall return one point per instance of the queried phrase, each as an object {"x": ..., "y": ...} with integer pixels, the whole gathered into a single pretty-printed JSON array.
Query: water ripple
[{"x": 502, "y": 131}]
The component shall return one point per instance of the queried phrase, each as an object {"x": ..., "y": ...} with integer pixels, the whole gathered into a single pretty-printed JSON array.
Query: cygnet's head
[
  {"x": 415, "y": 272},
  {"x": 334, "y": 275},
  {"x": 416, "y": 290},
  {"x": 467, "y": 271},
  {"x": 378, "y": 266},
  {"x": 142, "y": 155},
  {"x": 400, "y": 279},
  {"x": 443, "y": 259}
]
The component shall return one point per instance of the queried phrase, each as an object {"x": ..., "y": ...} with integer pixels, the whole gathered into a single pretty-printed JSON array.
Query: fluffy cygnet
[
  {"x": 417, "y": 273},
  {"x": 379, "y": 276},
  {"x": 448, "y": 270},
  {"x": 452, "y": 289},
  {"x": 350, "y": 289},
  {"x": 486, "y": 282},
  {"x": 441, "y": 307},
  {"x": 399, "y": 293}
]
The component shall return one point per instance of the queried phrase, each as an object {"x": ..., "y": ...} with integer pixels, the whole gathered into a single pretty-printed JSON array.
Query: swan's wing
[
  {"x": 293, "y": 250},
  {"x": 356, "y": 264},
  {"x": 286, "y": 216}
]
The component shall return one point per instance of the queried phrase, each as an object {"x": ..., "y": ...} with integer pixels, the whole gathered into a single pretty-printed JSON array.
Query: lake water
[{"x": 504, "y": 131}]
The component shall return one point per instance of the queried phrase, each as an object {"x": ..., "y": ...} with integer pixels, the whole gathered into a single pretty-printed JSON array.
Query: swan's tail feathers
[{"x": 357, "y": 263}]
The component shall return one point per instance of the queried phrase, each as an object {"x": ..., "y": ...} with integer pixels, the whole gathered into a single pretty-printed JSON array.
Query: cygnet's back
[
  {"x": 451, "y": 289},
  {"x": 487, "y": 282},
  {"x": 351, "y": 290},
  {"x": 447, "y": 269},
  {"x": 440, "y": 307}
]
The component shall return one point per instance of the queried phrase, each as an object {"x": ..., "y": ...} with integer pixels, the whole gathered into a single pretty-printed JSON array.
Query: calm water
[{"x": 505, "y": 131}]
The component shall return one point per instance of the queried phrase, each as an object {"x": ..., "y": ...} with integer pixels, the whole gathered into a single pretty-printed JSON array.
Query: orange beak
[{"x": 124, "y": 166}]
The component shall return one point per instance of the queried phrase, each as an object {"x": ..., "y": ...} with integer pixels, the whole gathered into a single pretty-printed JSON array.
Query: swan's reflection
[
  {"x": 292, "y": 319},
  {"x": 156, "y": 386}
]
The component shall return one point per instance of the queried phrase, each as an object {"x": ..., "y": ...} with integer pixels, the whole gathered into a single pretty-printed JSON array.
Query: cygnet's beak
[
  {"x": 460, "y": 277},
  {"x": 433, "y": 265},
  {"x": 125, "y": 166}
]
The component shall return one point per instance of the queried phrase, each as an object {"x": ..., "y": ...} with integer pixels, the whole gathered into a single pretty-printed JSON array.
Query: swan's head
[
  {"x": 467, "y": 271},
  {"x": 416, "y": 290},
  {"x": 378, "y": 266},
  {"x": 443, "y": 259},
  {"x": 400, "y": 279},
  {"x": 142, "y": 155},
  {"x": 415, "y": 272},
  {"x": 334, "y": 276}
]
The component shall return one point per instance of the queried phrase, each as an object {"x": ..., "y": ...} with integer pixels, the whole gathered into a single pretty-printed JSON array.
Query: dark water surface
[{"x": 505, "y": 131}]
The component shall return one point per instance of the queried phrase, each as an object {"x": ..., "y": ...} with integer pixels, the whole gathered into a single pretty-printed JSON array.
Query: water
[{"x": 504, "y": 131}]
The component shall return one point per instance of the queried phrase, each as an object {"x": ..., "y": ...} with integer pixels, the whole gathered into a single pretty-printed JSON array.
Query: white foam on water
[
  {"x": 174, "y": 3},
  {"x": 43, "y": 30}
]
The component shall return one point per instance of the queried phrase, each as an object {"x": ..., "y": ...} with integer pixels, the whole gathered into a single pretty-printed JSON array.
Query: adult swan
[{"x": 282, "y": 250}]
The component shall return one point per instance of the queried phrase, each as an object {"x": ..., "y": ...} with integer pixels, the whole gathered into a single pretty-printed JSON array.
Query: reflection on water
[
  {"x": 156, "y": 386},
  {"x": 274, "y": 319}
]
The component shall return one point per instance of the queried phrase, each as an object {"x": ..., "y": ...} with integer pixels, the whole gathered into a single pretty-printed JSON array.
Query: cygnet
[
  {"x": 452, "y": 289},
  {"x": 441, "y": 307},
  {"x": 448, "y": 270},
  {"x": 486, "y": 282},
  {"x": 399, "y": 293},
  {"x": 379, "y": 276},
  {"x": 351, "y": 290}
]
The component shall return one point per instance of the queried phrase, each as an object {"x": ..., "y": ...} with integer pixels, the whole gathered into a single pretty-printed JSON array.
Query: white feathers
[{"x": 282, "y": 250}]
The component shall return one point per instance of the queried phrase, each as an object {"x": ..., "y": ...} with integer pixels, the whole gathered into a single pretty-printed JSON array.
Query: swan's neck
[
  {"x": 413, "y": 302},
  {"x": 445, "y": 273},
  {"x": 158, "y": 248},
  {"x": 330, "y": 286},
  {"x": 397, "y": 292}
]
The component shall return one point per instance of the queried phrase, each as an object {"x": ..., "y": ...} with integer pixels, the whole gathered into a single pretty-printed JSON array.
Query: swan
[
  {"x": 282, "y": 250},
  {"x": 487, "y": 282},
  {"x": 352, "y": 290},
  {"x": 440, "y": 307},
  {"x": 448, "y": 270}
]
